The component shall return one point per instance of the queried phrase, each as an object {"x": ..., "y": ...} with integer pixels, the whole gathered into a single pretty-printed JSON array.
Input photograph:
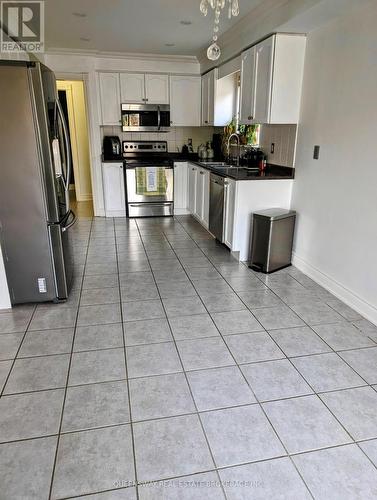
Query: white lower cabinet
[
  {"x": 181, "y": 188},
  {"x": 192, "y": 175},
  {"x": 229, "y": 207},
  {"x": 114, "y": 190},
  {"x": 198, "y": 197},
  {"x": 202, "y": 196}
]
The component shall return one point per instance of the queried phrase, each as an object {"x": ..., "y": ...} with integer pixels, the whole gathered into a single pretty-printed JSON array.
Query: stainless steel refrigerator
[{"x": 35, "y": 166}]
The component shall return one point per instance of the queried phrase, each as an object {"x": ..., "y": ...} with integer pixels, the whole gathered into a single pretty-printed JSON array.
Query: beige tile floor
[{"x": 175, "y": 372}]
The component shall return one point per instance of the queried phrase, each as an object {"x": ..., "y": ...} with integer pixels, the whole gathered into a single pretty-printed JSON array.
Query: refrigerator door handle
[
  {"x": 67, "y": 146},
  {"x": 71, "y": 223}
]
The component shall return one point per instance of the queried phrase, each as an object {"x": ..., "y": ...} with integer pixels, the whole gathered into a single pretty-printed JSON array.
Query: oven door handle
[
  {"x": 158, "y": 117},
  {"x": 133, "y": 167}
]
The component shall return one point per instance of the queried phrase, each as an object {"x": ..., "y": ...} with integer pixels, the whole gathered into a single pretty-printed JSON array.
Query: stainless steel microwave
[{"x": 145, "y": 117}]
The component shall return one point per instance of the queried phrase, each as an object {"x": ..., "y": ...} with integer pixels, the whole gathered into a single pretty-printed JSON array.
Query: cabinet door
[
  {"x": 247, "y": 101},
  {"x": 205, "y": 100},
  {"x": 114, "y": 191},
  {"x": 208, "y": 97},
  {"x": 185, "y": 101},
  {"x": 229, "y": 207},
  {"x": 199, "y": 194},
  {"x": 205, "y": 215},
  {"x": 180, "y": 187},
  {"x": 157, "y": 89},
  {"x": 132, "y": 88},
  {"x": 193, "y": 171},
  {"x": 264, "y": 59},
  {"x": 110, "y": 98}
]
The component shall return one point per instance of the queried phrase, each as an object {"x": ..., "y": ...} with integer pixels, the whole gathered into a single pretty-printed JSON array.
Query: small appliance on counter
[
  {"x": 111, "y": 148},
  {"x": 210, "y": 152},
  {"x": 202, "y": 152},
  {"x": 255, "y": 158},
  {"x": 217, "y": 141}
]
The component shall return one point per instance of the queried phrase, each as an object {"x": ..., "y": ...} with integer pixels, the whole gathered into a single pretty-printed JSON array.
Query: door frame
[{"x": 62, "y": 84}]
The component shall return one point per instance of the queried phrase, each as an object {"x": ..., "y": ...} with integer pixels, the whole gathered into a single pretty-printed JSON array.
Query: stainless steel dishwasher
[{"x": 216, "y": 206}]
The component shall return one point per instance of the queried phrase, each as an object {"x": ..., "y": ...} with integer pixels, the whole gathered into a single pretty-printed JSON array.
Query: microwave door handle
[
  {"x": 158, "y": 118},
  {"x": 68, "y": 149}
]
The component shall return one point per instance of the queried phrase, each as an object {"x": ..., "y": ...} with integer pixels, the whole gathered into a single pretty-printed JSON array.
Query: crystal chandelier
[{"x": 214, "y": 52}]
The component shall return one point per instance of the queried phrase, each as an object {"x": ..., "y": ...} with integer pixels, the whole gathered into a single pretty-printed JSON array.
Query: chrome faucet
[{"x": 238, "y": 144}]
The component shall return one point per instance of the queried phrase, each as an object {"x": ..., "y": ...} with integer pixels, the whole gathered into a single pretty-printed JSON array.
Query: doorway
[{"x": 72, "y": 98}]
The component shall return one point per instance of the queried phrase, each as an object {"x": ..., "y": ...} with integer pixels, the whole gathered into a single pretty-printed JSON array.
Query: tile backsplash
[
  {"x": 284, "y": 139},
  {"x": 176, "y": 137}
]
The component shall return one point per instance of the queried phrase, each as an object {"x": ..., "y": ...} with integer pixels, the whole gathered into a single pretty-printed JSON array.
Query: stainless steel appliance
[
  {"x": 149, "y": 178},
  {"x": 272, "y": 239},
  {"x": 145, "y": 117},
  {"x": 35, "y": 215},
  {"x": 111, "y": 148},
  {"x": 216, "y": 206}
]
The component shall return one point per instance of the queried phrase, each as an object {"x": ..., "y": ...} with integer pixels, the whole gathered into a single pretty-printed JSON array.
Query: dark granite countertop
[
  {"x": 272, "y": 172},
  {"x": 242, "y": 173}
]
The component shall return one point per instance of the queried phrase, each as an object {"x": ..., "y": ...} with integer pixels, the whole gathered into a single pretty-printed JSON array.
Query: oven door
[{"x": 149, "y": 184}]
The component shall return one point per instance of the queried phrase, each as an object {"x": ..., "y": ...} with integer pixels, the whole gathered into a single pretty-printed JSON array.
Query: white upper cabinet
[
  {"x": 144, "y": 88},
  {"x": 247, "y": 103},
  {"x": 110, "y": 98},
  {"x": 264, "y": 56},
  {"x": 185, "y": 101},
  {"x": 157, "y": 89},
  {"x": 132, "y": 88},
  {"x": 218, "y": 99},
  {"x": 208, "y": 97},
  {"x": 271, "y": 80}
]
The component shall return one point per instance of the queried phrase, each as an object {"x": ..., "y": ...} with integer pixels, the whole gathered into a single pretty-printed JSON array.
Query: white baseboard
[
  {"x": 84, "y": 197},
  {"x": 341, "y": 292},
  {"x": 115, "y": 213},
  {"x": 181, "y": 211}
]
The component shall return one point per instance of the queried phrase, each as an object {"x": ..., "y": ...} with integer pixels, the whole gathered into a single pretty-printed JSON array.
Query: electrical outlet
[
  {"x": 272, "y": 148},
  {"x": 316, "y": 153}
]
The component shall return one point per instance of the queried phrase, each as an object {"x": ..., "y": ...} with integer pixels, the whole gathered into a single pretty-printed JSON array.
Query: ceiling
[{"x": 143, "y": 26}]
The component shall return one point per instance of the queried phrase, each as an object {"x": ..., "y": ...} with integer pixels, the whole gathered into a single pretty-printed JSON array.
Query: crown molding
[
  {"x": 122, "y": 55},
  {"x": 263, "y": 20}
]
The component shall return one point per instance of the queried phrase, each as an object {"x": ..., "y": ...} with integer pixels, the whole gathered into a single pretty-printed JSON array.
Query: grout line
[
  {"x": 18, "y": 350},
  {"x": 66, "y": 388},
  {"x": 186, "y": 378},
  {"x": 256, "y": 399},
  {"x": 126, "y": 373}
]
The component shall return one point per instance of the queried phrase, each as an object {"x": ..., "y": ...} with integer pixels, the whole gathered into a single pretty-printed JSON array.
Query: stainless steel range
[{"x": 149, "y": 178}]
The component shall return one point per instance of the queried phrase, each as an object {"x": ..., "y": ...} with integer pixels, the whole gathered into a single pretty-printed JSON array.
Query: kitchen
[{"x": 266, "y": 377}]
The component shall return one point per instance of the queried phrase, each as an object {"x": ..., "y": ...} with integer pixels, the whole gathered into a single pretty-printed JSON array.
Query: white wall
[
  {"x": 86, "y": 66},
  {"x": 336, "y": 196}
]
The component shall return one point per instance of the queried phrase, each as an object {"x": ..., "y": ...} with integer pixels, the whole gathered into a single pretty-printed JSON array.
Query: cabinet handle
[
  {"x": 171, "y": 123},
  {"x": 193, "y": 169},
  {"x": 250, "y": 117},
  {"x": 205, "y": 121},
  {"x": 201, "y": 173},
  {"x": 120, "y": 166}
]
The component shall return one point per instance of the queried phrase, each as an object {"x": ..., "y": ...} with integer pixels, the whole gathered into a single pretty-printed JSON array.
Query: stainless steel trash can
[{"x": 272, "y": 239}]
